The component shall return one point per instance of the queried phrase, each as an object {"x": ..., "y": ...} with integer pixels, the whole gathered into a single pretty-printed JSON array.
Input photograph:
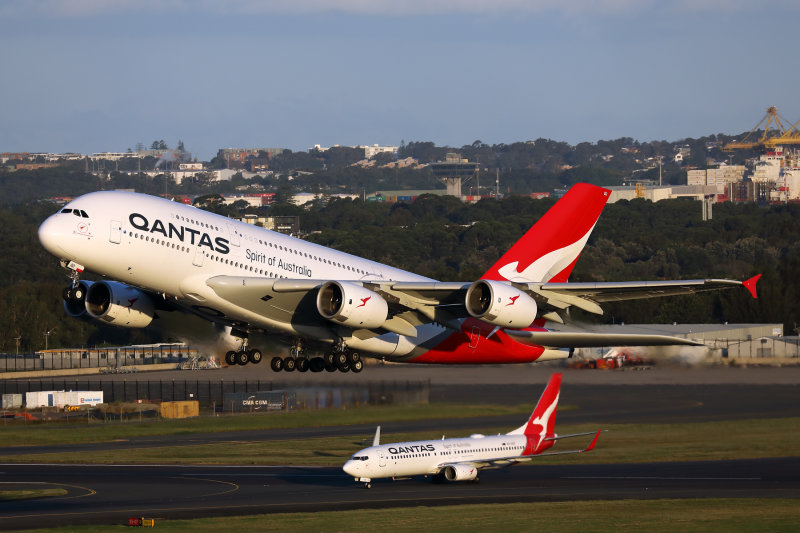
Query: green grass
[
  {"x": 41, "y": 433},
  {"x": 668, "y": 516},
  {"x": 620, "y": 443},
  {"x": 7, "y": 495}
]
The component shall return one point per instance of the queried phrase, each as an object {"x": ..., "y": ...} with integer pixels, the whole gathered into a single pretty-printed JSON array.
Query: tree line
[{"x": 443, "y": 238}]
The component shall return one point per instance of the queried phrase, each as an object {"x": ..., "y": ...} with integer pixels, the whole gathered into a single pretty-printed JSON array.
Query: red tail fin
[
  {"x": 543, "y": 419},
  {"x": 549, "y": 250}
]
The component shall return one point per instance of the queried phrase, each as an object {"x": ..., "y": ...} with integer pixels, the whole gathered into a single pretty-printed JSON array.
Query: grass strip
[
  {"x": 621, "y": 443},
  {"x": 667, "y": 515}
]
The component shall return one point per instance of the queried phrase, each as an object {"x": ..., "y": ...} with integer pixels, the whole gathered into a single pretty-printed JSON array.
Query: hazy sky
[{"x": 101, "y": 75}]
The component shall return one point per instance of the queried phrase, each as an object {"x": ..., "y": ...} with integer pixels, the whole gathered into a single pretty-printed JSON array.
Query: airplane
[
  {"x": 204, "y": 277},
  {"x": 461, "y": 459}
]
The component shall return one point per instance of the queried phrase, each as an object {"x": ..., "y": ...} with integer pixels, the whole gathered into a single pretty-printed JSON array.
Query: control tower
[{"x": 452, "y": 171}]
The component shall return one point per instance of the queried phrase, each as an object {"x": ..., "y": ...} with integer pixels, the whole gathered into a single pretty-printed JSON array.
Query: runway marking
[
  {"x": 234, "y": 485},
  {"x": 89, "y": 492},
  {"x": 678, "y": 478}
]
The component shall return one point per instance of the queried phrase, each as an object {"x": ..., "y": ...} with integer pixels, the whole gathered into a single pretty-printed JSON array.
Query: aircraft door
[
  {"x": 198, "y": 257},
  {"x": 233, "y": 234},
  {"x": 474, "y": 337},
  {"x": 116, "y": 232},
  {"x": 382, "y": 458}
]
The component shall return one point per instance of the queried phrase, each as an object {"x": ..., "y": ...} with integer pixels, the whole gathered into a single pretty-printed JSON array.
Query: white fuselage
[
  {"x": 171, "y": 248},
  {"x": 427, "y": 457}
]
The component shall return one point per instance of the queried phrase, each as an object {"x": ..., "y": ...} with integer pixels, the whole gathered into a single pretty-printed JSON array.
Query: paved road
[{"x": 112, "y": 494}]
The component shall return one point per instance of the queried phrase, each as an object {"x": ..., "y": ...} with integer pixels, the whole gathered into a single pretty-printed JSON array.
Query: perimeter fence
[{"x": 212, "y": 393}]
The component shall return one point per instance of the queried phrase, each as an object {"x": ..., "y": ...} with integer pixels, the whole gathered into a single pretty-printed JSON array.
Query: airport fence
[{"x": 213, "y": 394}]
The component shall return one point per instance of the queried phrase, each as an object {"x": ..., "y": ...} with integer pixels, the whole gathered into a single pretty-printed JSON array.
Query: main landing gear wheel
[
  {"x": 254, "y": 356},
  {"x": 289, "y": 364},
  {"x": 329, "y": 359},
  {"x": 317, "y": 364},
  {"x": 367, "y": 485},
  {"x": 302, "y": 364},
  {"x": 352, "y": 357},
  {"x": 357, "y": 366},
  {"x": 330, "y": 368},
  {"x": 340, "y": 359},
  {"x": 242, "y": 358},
  {"x": 230, "y": 358},
  {"x": 345, "y": 367},
  {"x": 276, "y": 364}
]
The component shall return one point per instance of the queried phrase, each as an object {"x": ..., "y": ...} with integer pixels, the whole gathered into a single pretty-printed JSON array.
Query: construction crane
[{"x": 773, "y": 131}]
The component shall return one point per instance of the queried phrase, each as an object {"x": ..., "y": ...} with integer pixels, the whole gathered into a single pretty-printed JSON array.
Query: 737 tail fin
[
  {"x": 549, "y": 250},
  {"x": 543, "y": 419}
]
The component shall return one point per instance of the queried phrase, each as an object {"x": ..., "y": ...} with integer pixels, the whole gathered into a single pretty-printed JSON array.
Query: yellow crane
[{"x": 773, "y": 130}]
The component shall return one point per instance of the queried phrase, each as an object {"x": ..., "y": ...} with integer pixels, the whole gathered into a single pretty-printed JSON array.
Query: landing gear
[
  {"x": 289, "y": 364},
  {"x": 317, "y": 364},
  {"x": 276, "y": 364},
  {"x": 242, "y": 358},
  {"x": 367, "y": 484},
  {"x": 230, "y": 358},
  {"x": 254, "y": 356},
  {"x": 302, "y": 364}
]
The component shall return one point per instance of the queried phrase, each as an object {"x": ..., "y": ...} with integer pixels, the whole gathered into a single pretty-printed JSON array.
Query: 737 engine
[
  {"x": 460, "y": 472},
  {"x": 351, "y": 305},
  {"x": 119, "y": 304},
  {"x": 500, "y": 304}
]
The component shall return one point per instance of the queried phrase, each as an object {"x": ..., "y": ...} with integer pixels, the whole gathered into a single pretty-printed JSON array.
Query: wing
[{"x": 581, "y": 339}]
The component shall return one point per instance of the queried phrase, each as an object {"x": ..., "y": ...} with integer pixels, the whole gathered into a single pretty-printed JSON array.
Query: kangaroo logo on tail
[{"x": 549, "y": 250}]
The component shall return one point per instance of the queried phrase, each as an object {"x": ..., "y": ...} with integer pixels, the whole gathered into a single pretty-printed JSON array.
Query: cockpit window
[
  {"x": 66, "y": 210},
  {"x": 360, "y": 458},
  {"x": 76, "y": 212},
  {"x": 83, "y": 214}
]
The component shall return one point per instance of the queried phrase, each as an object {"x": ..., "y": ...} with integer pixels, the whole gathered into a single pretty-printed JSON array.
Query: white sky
[{"x": 102, "y": 75}]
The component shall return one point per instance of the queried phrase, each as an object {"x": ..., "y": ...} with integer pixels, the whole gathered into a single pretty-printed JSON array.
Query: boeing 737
[
  {"x": 462, "y": 459},
  {"x": 195, "y": 274}
]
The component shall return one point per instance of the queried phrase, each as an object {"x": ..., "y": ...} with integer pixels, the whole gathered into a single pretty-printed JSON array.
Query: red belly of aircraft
[{"x": 471, "y": 346}]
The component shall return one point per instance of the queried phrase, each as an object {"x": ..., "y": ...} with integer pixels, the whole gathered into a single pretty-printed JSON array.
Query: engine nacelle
[
  {"x": 75, "y": 299},
  {"x": 351, "y": 305},
  {"x": 119, "y": 304},
  {"x": 460, "y": 472},
  {"x": 500, "y": 304}
]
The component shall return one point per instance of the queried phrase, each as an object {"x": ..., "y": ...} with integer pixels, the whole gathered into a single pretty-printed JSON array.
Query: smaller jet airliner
[{"x": 461, "y": 459}]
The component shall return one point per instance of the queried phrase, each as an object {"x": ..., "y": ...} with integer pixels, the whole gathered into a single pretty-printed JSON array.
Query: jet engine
[
  {"x": 119, "y": 304},
  {"x": 460, "y": 472},
  {"x": 351, "y": 305},
  {"x": 500, "y": 304},
  {"x": 75, "y": 299}
]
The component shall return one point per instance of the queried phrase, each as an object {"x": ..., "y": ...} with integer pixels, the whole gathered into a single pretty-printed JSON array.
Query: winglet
[
  {"x": 594, "y": 441},
  {"x": 750, "y": 285}
]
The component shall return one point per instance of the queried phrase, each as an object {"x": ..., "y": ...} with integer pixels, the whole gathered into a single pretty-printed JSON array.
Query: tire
[
  {"x": 242, "y": 358},
  {"x": 352, "y": 357},
  {"x": 340, "y": 359},
  {"x": 331, "y": 368},
  {"x": 254, "y": 356},
  {"x": 77, "y": 293},
  {"x": 302, "y": 364},
  {"x": 357, "y": 367},
  {"x": 289, "y": 364},
  {"x": 343, "y": 368},
  {"x": 329, "y": 358},
  {"x": 230, "y": 358},
  {"x": 317, "y": 364},
  {"x": 276, "y": 364}
]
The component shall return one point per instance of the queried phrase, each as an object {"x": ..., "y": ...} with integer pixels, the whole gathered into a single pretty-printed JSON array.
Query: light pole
[
  {"x": 47, "y": 336},
  {"x": 17, "y": 339}
]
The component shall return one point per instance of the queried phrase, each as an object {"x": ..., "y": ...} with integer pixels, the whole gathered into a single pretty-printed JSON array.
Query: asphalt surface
[{"x": 109, "y": 494}]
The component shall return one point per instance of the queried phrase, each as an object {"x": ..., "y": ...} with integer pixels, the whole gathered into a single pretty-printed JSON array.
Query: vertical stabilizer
[
  {"x": 543, "y": 419},
  {"x": 549, "y": 250},
  {"x": 376, "y": 441}
]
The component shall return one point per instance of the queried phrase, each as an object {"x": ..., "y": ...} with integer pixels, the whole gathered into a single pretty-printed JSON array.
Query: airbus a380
[
  {"x": 462, "y": 459},
  {"x": 194, "y": 273}
]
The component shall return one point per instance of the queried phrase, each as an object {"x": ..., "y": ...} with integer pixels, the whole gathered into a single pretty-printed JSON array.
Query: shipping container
[
  {"x": 259, "y": 401},
  {"x": 12, "y": 401},
  {"x": 182, "y": 409}
]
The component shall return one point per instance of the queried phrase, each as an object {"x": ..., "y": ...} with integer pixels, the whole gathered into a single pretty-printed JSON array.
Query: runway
[{"x": 110, "y": 494}]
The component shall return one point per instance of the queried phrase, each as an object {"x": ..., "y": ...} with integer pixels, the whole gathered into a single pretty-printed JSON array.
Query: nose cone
[
  {"x": 51, "y": 235},
  {"x": 350, "y": 468}
]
